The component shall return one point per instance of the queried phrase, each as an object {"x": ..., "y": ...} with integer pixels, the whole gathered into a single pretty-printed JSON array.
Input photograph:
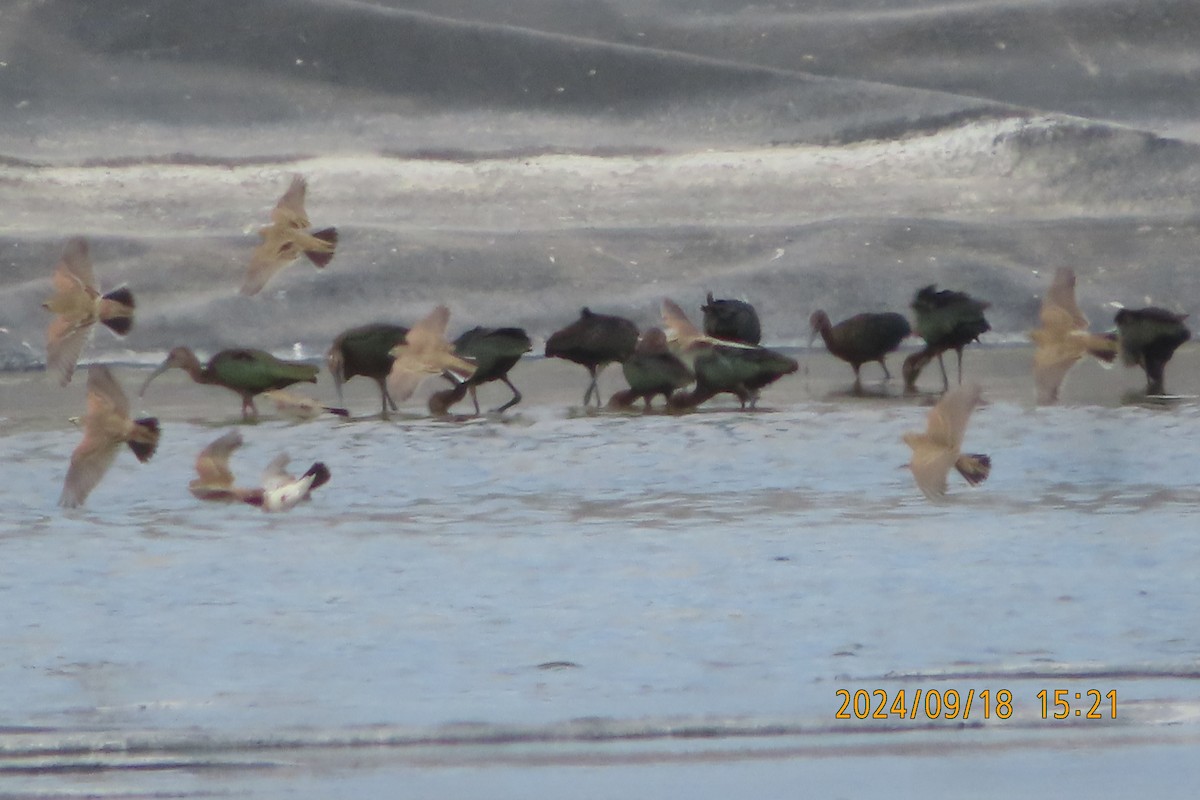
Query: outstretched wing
[
  {"x": 948, "y": 419},
  {"x": 212, "y": 465}
]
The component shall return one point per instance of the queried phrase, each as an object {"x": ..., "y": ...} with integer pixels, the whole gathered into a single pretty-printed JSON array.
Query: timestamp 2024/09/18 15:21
[{"x": 964, "y": 705}]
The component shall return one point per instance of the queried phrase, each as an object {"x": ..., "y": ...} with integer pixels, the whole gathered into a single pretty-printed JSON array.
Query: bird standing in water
[
  {"x": 861, "y": 338},
  {"x": 652, "y": 370},
  {"x": 1063, "y": 338},
  {"x": 594, "y": 341},
  {"x": 1149, "y": 337},
  {"x": 734, "y": 320},
  {"x": 367, "y": 351},
  {"x": 424, "y": 352},
  {"x": 106, "y": 426},
  {"x": 720, "y": 366},
  {"x": 78, "y": 305},
  {"x": 242, "y": 370},
  {"x": 279, "y": 492},
  {"x": 939, "y": 448},
  {"x": 494, "y": 351},
  {"x": 946, "y": 320},
  {"x": 287, "y": 238}
]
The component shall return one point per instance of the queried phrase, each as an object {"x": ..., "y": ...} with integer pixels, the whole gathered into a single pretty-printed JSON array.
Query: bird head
[{"x": 180, "y": 357}]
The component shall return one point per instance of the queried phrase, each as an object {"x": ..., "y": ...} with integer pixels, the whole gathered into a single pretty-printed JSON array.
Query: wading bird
[
  {"x": 861, "y": 338},
  {"x": 652, "y": 370},
  {"x": 367, "y": 351},
  {"x": 287, "y": 238},
  {"x": 594, "y": 341},
  {"x": 734, "y": 320},
  {"x": 938, "y": 449},
  {"x": 946, "y": 320},
  {"x": 241, "y": 370},
  {"x": 424, "y": 352},
  {"x": 106, "y": 426},
  {"x": 720, "y": 366},
  {"x": 1063, "y": 338},
  {"x": 494, "y": 351},
  {"x": 1149, "y": 337},
  {"x": 78, "y": 305},
  {"x": 279, "y": 492}
]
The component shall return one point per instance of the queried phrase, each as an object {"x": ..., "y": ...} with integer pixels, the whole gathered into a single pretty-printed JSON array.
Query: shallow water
[{"x": 622, "y": 591}]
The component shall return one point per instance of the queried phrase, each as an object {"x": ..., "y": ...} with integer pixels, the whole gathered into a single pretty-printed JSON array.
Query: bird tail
[
  {"x": 1103, "y": 346},
  {"x": 440, "y": 402},
  {"x": 319, "y": 473},
  {"x": 116, "y": 310},
  {"x": 143, "y": 441},
  {"x": 337, "y": 412},
  {"x": 321, "y": 258},
  {"x": 622, "y": 399},
  {"x": 975, "y": 467}
]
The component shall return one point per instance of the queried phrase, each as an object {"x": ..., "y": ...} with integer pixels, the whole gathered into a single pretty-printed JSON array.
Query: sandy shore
[{"x": 31, "y": 401}]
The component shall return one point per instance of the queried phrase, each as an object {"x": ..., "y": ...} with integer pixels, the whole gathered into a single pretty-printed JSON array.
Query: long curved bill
[{"x": 159, "y": 370}]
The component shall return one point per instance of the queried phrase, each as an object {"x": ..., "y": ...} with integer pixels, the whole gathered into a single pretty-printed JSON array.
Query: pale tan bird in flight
[
  {"x": 287, "y": 238},
  {"x": 1063, "y": 338},
  {"x": 686, "y": 340},
  {"x": 78, "y": 306},
  {"x": 424, "y": 352},
  {"x": 106, "y": 426},
  {"x": 279, "y": 492},
  {"x": 938, "y": 449},
  {"x": 300, "y": 408}
]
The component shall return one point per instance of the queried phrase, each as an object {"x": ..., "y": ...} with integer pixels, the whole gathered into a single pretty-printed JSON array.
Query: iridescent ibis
[
  {"x": 78, "y": 305},
  {"x": 106, "y": 426},
  {"x": 862, "y": 338},
  {"x": 946, "y": 320},
  {"x": 1062, "y": 338},
  {"x": 741, "y": 371},
  {"x": 734, "y": 320},
  {"x": 938, "y": 449},
  {"x": 241, "y": 370},
  {"x": 300, "y": 408},
  {"x": 652, "y": 370},
  {"x": 720, "y": 366},
  {"x": 366, "y": 351},
  {"x": 287, "y": 238},
  {"x": 494, "y": 352},
  {"x": 279, "y": 492},
  {"x": 1149, "y": 337},
  {"x": 594, "y": 341},
  {"x": 424, "y": 352}
]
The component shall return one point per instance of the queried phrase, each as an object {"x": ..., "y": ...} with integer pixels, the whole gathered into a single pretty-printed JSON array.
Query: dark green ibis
[
  {"x": 862, "y": 338},
  {"x": 732, "y": 320},
  {"x": 741, "y": 371},
  {"x": 1062, "y": 338},
  {"x": 494, "y": 352},
  {"x": 365, "y": 351},
  {"x": 594, "y": 341},
  {"x": 946, "y": 320},
  {"x": 242, "y": 370},
  {"x": 652, "y": 370},
  {"x": 1149, "y": 337}
]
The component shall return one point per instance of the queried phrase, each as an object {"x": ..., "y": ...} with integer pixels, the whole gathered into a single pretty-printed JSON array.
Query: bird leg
[
  {"x": 248, "y": 408},
  {"x": 592, "y": 387},
  {"x": 887, "y": 376},
  {"x": 945, "y": 379},
  {"x": 516, "y": 398},
  {"x": 959, "y": 350},
  {"x": 475, "y": 400}
]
